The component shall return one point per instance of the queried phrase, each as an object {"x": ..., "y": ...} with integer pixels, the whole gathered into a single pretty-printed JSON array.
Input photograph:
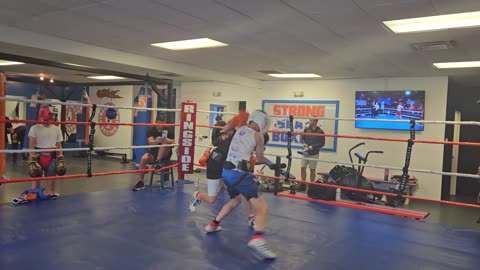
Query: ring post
[
  {"x": 278, "y": 173},
  {"x": 3, "y": 81},
  {"x": 400, "y": 190},
  {"x": 90, "y": 141},
  {"x": 289, "y": 156}
]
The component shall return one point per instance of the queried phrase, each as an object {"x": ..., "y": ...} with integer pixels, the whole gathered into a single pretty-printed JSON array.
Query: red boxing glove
[
  {"x": 203, "y": 159},
  {"x": 239, "y": 120},
  {"x": 253, "y": 161}
]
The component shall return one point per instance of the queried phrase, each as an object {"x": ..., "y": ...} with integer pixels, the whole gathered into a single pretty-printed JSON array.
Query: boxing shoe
[
  {"x": 194, "y": 202},
  {"x": 260, "y": 246},
  {"x": 139, "y": 186},
  {"x": 212, "y": 227},
  {"x": 53, "y": 196},
  {"x": 251, "y": 221}
]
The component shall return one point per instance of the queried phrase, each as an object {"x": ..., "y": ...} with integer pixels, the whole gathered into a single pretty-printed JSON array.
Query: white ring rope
[
  {"x": 106, "y": 148},
  {"x": 85, "y": 104},
  {"x": 215, "y": 112},
  {"x": 374, "y": 166},
  {"x": 385, "y": 167},
  {"x": 231, "y": 113},
  {"x": 204, "y": 145},
  {"x": 471, "y": 123}
]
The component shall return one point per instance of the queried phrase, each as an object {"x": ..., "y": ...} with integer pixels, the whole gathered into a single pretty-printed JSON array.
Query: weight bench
[{"x": 107, "y": 153}]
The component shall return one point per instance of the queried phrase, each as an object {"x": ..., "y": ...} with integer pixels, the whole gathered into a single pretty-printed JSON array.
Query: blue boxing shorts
[{"x": 247, "y": 186}]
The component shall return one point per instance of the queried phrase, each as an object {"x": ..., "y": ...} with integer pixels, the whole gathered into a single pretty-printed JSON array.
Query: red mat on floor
[{"x": 362, "y": 206}]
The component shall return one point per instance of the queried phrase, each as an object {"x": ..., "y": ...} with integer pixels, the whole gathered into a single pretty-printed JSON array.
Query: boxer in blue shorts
[
  {"x": 214, "y": 164},
  {"x": 240, "y": 181}
]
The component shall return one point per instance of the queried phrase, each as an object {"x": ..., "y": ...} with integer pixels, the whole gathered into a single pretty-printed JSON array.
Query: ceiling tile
[
  {"x": 80, "y": 29},
  {"x": 123, "y": 20},
  {"x": 338, "y": 7},
  {"x": 457, "y": 6},
  {"x": 9, "y": 17},
  {"x": 160, "y": 13},
  {"x": 399, "y": 9},
  {"x": 377, "y": 3},
  {"x": 335, "y": 38},
  {"x": 65, "y": 4},
  {"x": 207, "y": 10},
  {"x": 32, "y": 8}
]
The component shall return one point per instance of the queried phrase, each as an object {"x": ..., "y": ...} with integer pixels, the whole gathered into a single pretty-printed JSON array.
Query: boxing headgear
[
  {"x": 46, "y": 113},
  {"x": 54, "y": 110},
  {"x": 262, "y": 119}
]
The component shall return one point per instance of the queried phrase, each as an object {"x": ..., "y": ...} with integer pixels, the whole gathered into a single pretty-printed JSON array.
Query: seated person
[
  {"x": 216, "y": 131},
  {"x": 18, "y": 137},
  {"x": 8, "y": 129},
  {"x": 157, "y": 135}
]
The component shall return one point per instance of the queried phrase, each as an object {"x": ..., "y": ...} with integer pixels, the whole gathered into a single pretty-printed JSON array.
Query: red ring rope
[
  {"x": 372, "y": 192},
  {"x": 71, "y": 176},
  {"x": 86, "y": 123},
  {"x": 29, "y": 179},
  {"x": 378, "y": 138},
  {"x": 272, "y": 131},
  {"x": 366, "y": 191}
]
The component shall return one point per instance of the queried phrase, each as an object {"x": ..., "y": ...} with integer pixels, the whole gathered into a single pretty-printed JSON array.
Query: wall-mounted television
[{"x": 390, "y": 105}]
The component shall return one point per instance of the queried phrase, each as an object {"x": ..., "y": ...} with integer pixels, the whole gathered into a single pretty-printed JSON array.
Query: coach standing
[{"x": 311, "y": 145}]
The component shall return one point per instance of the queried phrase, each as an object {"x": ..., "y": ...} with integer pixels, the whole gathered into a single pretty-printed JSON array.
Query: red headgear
[{"x": 46, "y": 113}]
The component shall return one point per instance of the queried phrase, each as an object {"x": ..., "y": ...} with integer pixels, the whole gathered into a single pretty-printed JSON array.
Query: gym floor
[
  {"x": 454, "y": 216},
  {"x": 153, "y": 229}
]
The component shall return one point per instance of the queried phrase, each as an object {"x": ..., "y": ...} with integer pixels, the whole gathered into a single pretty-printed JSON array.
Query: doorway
[
  {"x": 469, "y": 157},
  {"x": 215, "y": 108}
]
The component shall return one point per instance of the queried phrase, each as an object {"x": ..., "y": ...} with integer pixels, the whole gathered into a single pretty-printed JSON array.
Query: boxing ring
[
  {"x": 154, "y": 229},
  {"x": 119, "y": 229}
]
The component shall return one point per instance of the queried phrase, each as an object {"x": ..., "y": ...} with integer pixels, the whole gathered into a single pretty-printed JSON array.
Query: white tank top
[{"x": 242, "y": 145}]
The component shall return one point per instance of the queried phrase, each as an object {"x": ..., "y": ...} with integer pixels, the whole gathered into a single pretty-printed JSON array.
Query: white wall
[
  {"x": 124, "y": 134},
  {"x": 230, "y": 95},
  {"x": 425, "y": 156}
]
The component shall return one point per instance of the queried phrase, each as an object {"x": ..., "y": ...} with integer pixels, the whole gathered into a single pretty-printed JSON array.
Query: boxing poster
[
  {"x": 71, "y": 116},
  {"x": 33, "y": 104},
  {"x": 280, "y": 110},
  {"x": 142, "y": 103},
  {"x": 111, "y": 116}
]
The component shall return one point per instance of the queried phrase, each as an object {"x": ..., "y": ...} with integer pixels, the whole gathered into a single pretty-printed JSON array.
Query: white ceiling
[{"x": 333, "y": 38}]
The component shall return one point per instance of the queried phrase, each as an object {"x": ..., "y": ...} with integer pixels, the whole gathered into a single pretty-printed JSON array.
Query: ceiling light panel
[
  {"x": 106, "y": 77},
  {"x": 432, "y": 23},
  {"x": 9, "y": 63},
  {"x": 469, "y": 64},
  {"x": 76, "y": 65},
  {"x": 190, "y": 44},
  {"x": 295, "y": 75}
]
